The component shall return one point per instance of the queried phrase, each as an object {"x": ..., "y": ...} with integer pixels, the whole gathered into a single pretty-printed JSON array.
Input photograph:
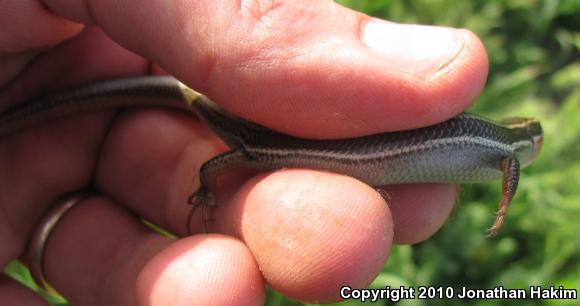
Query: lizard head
[{"x": 527, "y": 140}]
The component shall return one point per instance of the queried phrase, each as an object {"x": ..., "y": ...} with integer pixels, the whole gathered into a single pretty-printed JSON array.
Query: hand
[{"x": 307, "y": 68}]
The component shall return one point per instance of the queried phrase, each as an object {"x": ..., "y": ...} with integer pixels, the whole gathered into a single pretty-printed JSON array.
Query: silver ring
[{"x": 35, "y": 249}]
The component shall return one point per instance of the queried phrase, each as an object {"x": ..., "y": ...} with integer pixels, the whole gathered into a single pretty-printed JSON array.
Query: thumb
[{"x": 308, "y": 68}]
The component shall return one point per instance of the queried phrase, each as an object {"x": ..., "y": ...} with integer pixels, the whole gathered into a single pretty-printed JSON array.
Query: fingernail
[{"x": 415, "y": 48}]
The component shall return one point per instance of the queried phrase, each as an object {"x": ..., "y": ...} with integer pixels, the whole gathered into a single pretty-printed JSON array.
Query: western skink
[{"x": 467, "y": 148}]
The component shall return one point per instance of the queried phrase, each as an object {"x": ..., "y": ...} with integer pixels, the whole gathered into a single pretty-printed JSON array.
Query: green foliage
[{"x": 19, "y": 272}]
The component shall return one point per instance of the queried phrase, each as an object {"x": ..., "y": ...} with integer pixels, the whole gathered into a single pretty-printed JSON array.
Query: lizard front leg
[{"x": 208, "y": 173}]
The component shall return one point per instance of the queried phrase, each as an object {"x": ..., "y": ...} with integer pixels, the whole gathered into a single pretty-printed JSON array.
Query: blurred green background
[{"x": 534, "y": 54}]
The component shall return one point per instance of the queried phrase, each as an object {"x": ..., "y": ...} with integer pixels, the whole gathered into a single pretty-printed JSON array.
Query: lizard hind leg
[{"x": 510, "y": 168}]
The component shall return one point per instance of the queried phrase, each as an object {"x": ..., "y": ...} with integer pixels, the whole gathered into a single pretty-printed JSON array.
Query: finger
[
  {"x": 98, "y": 254},
  {"x": 311, "y": 232},
  {"x": 150, "y": 162},
  {"x": 419, "y": 210},
  {"x": 223, "y": 273},
  {"x": 27, "y": 25},
  {"x": 305, "y": 67},
  {"x": 26, "y": 29},
  {"x": 88, "y": 56},
  {"x": 40, "y": 166},
  {"x": 41, "y": 163},
  {"x": 14, "y": 293}
]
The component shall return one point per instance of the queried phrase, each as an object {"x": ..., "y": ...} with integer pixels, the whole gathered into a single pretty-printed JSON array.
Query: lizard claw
[{"x": 201, "y": 198}]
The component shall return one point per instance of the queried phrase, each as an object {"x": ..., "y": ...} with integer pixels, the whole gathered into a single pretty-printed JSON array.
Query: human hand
[{"x": 307, "y": 68}]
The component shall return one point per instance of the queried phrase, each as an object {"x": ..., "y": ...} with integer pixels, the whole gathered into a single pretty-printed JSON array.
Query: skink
[{"x": 464, "y": 149}]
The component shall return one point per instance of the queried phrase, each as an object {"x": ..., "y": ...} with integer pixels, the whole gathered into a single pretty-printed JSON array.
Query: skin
[{"x": 304, "y": 233}]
